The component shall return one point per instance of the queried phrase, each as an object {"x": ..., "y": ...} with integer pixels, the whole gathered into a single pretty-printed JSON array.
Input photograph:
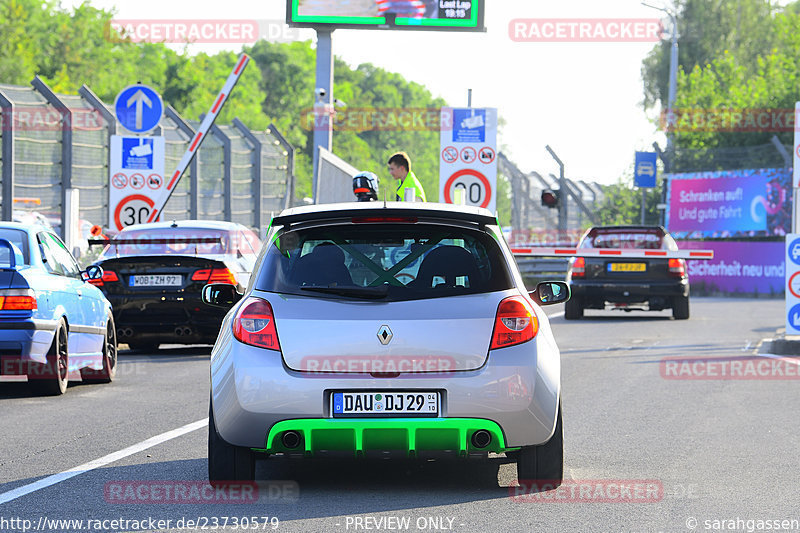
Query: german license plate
[
  {"x": 156, "y": 280},
  {"x": 627, "y": 267},
  {"x": 407, "y": 403}
]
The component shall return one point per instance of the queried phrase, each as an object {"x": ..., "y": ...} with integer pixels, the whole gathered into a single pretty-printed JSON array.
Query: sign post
[
  {"x": 468, "y": 156},
  {"x": 135, "y": 161},
  {"x": 644, "y": 174}
]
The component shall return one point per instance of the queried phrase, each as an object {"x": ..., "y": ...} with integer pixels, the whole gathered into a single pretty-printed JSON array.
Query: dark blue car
[{"x": 54, "y": 325}]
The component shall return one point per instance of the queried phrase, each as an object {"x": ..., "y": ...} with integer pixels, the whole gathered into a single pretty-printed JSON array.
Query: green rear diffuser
[{"x": 412, "y": 436}]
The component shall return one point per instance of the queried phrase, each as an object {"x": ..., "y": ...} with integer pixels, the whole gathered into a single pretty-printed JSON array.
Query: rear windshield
[
  {"x": 166, "y": 241},
  {"x": 636, "y": 239},
  {"x": 19, "y": 239},
  {"x": 385, "y": 262}
]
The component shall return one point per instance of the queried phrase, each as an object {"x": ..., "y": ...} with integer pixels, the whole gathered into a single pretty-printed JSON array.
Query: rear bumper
[
  {"x": 628, "y": 291},
  {"x": 175, "y": 319},
  {"x": 256, "y": 397},
  {"x": 24, "y": 341}
]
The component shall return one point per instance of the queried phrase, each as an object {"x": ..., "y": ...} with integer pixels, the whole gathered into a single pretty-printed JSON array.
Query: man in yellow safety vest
[{"x": 400, "y": 169}]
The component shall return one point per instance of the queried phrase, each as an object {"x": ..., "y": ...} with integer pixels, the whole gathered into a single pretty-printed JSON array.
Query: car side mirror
[
  {"x": 92, "y": 272},
  {"x": 220, "y": 295},
  {"x": 551, "y": 292}
]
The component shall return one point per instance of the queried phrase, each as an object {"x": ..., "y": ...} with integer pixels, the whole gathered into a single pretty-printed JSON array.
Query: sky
[{"x": 581, "y": 98}]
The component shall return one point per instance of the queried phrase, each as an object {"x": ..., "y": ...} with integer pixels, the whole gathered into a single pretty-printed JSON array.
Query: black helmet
[{"x": 365, "y": 186}]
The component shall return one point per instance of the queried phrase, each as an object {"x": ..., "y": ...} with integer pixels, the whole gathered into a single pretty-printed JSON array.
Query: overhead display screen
[{"x": 437, "y": 15}]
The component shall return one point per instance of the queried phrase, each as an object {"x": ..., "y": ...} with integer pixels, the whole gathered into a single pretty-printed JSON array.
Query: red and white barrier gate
[
  {"x": 199, "y": 137},
  {"x": 538, "y": 251}
]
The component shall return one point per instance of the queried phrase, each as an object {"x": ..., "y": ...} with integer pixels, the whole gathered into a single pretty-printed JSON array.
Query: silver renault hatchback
[{"x": 385, "y": 329}]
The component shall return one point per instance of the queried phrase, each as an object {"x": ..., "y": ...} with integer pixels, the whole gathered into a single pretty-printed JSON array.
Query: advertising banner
[
  {"x": 737, "y": 267},
  {"x": 736, "y": 203},
  {"x": 439, "y": 15}
]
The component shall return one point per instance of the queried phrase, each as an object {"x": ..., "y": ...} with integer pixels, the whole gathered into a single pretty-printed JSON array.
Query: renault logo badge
[{"x": 385, "y": 334}]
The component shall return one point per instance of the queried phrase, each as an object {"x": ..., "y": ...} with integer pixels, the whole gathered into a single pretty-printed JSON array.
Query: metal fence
[
  {"x": 54, "y": 142},
  {"x": 533, "y": 223}
]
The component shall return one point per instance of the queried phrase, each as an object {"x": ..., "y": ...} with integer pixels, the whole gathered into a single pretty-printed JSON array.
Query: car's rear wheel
[
  {"x": 544, "y": 462},
  {"x": 51, "y": 378},
  {"x": 225, "y": 461},
  {"x": 109, "y": 370},
  {"x": 680, "y": 308},
  {"x": 573, "y": 308}
]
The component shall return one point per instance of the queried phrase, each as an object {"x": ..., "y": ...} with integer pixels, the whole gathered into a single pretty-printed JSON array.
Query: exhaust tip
[
  {"x": 481, "y": 438},
  {"x": 290, "y": 439}
]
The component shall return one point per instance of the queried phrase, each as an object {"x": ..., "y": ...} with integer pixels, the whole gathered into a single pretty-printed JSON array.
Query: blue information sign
[
  {"x": 645, "y": 170},
  {"x": 469, "y": 125},
  {"x": 138, "y": 108}
]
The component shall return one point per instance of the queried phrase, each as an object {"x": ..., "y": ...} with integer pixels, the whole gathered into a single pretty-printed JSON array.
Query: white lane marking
[
  {"x": 556, "y": 315},
  {"x": 103, "y": 461}
]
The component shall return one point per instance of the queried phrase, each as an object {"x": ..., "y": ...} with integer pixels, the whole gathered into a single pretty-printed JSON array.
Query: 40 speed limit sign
[{"x": 467, "y": 165}]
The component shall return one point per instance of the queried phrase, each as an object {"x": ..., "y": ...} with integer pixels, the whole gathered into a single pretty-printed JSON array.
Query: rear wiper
[{"x": 355, "y": 292}]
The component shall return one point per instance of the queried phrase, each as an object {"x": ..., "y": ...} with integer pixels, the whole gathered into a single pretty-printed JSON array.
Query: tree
[{"x": 706, "y": 30}]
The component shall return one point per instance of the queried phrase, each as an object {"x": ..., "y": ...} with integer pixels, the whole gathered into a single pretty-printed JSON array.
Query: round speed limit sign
[
  {"x": 477, "y": 189},
  {"x": 133, "y": 209}
]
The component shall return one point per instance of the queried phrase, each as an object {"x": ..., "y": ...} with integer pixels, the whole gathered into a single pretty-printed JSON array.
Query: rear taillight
[
  {"x": 254, "y": 324},
  {"x": 17, "y": 300},
  {"x": 677, "y": 268},
  {"x": 579, "y": 267},
  {"x": 108, "y": 277},
  {"x": 515, "y": 323},
  {"x": 214, "y": 275}
]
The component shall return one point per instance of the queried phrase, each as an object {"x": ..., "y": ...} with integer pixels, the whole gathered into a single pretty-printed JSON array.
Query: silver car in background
[{"x": 380, "y": 330}]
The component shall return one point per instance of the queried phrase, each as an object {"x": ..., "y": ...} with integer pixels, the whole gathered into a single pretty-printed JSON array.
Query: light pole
[{"x": 673, "y": 86}]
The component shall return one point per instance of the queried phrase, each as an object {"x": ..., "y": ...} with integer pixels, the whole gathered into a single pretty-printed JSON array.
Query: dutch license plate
[
  {"x": 156, "y": 280},
  {"x": 407, "y": 403},
  {"x": 627, "y": 267}
]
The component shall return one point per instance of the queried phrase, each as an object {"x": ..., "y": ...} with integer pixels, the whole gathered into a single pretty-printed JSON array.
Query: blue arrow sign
[
  {"x": 138, "y": 108},
  {"x": 645, "y": 170}
]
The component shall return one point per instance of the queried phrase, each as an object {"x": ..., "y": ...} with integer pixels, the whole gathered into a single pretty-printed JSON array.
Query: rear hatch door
[{"x": 343, "y": 336}]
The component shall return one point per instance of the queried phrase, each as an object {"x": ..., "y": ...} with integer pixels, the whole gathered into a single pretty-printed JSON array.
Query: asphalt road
[{"x": 666, "y": 452}]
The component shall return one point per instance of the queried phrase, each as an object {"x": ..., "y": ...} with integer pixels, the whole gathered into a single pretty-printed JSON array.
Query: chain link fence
[{"x": 53, "y": 142}]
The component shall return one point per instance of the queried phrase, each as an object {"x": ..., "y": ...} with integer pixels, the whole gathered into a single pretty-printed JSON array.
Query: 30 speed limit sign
[
  {"x": 133, "y": 209},
  {"x": 471, "y": 133},
  {"x": 477, "y": 189}
]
